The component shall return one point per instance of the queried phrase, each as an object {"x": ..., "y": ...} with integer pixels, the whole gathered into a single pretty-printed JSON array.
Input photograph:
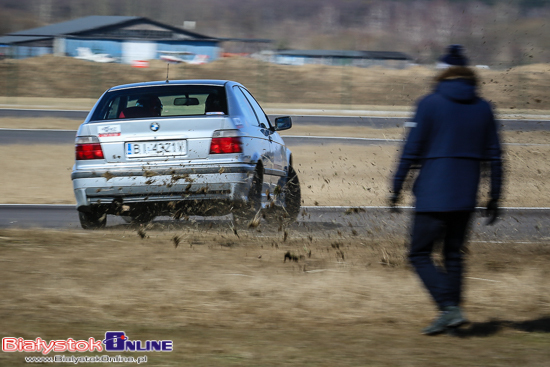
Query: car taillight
[
  {"x": 226, "y": 141},
  {"x": 88, "y": 147}
]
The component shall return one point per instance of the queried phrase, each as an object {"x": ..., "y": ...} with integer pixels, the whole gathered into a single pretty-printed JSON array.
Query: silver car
[{"x": 182, "y": 148}]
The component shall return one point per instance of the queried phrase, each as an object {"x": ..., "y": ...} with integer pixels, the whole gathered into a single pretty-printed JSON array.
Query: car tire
[
  {"x": 92, "y": 220},
  {"x": 246, "y": 212},
  {"x": 292, "y": 195}
]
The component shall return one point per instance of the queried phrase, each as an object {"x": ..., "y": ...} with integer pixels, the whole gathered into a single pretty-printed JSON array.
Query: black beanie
[{"x": 454, "y": 56}]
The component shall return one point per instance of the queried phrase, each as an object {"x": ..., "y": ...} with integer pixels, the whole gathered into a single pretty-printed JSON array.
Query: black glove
[
  {"x": 392, "y": 202},
  {"x": 492, "y": 212}
]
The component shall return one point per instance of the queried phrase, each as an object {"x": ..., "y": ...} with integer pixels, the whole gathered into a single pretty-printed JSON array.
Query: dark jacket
[{"x": 453, "y": 131}]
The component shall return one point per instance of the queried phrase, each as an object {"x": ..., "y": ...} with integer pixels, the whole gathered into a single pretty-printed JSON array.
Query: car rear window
[{"x": 161, "y": 101}]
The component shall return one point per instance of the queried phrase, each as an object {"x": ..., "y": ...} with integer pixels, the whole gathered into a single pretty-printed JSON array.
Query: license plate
[{"x": 156, "y": 148}]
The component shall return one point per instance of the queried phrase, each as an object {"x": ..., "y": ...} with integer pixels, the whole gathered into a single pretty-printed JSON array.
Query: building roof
[
  {"x": 387, "y": 55},
  {"x": 7, "y": 40},
  {"x": 320, "y": 53},
  {"x": 87, "y": 25},
  {"x": 378, "y": 55},
  {"x": 75, "y": 26}
]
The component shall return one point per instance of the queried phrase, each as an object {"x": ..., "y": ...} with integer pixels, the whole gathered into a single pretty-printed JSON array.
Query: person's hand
[
  {"x": 491, "y": 212},
  {"x": 392, "y": 202}
]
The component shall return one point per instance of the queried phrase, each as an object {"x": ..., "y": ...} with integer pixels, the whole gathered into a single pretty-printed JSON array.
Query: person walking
[{"x": 453, "y": 132}]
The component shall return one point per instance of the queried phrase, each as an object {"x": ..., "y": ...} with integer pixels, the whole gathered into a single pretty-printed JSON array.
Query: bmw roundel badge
[{"x": 155, "y": 126}]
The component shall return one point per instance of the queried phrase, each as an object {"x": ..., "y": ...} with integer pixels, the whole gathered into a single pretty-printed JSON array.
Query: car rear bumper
[
  {"x": 152, "y": 172},
  {"x": 133, "y": 185}
]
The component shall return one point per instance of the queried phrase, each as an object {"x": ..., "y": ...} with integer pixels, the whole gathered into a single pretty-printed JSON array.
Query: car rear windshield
[{"x": 162, "y": 101}]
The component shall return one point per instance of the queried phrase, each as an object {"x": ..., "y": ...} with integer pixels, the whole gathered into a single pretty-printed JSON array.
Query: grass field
[
  {"x": 518, "y": 88},
  {"x": 329, "y": 175},
  {"x": 233, "y": 301}
]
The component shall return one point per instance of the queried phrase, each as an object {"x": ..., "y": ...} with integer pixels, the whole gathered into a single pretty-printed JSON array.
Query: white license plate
[{"x": 156, "y": 148}]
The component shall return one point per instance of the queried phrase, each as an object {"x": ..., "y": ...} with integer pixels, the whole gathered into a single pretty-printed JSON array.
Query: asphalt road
[
  {"x": 28, "y": 136},
  {"x": 36, "y": 113},
  {"x": 515, "y": 224},
  {"x": 368, "y": 121},
  {"x": 9, "y": 136},
  {"x": 17, "y": 135}
]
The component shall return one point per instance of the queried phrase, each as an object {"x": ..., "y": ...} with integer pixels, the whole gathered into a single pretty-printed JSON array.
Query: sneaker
[
  {"x": 450, "y": 317},
  {"x": 456, "y": 317}
]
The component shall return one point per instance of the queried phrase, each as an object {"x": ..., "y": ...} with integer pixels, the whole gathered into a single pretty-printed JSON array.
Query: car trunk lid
[{"x": 162, "y": 139}]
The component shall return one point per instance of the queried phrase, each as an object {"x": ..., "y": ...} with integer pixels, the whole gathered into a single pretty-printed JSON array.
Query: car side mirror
[{"x": 283, "y": 123}]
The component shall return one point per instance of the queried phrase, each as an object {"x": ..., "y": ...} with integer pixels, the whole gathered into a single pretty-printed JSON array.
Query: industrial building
[
  {"x": 123, "y": 39},
  {"x": 388, "y": 59}
]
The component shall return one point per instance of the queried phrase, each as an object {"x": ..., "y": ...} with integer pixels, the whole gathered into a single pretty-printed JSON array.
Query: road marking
[
  {"x": 338, "y": 138},
  {"x": 296, "y": 136},
  {"x": 5, "y": 128},
  {"x": 487, "y": 280},
  {"x": 343, "y": 207}
]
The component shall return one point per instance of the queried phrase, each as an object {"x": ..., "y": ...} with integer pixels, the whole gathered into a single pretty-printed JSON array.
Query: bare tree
[{"x": 494, "y": 32}]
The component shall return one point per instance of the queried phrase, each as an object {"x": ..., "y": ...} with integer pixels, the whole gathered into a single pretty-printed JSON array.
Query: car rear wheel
[
  {"x": 92, "y": 220},
  {"x": 292, "y": 195},
  {"x": 247, "y": 211}
]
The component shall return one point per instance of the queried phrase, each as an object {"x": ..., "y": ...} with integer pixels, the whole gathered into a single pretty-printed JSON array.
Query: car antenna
[{"x": 167, "y": 70}]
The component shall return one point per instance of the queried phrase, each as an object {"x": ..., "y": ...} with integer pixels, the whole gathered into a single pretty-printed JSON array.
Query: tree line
[{"x": 494, "y": 32}]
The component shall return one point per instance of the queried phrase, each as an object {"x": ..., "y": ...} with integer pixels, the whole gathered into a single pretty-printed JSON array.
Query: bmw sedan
[{"x": 182, "y": 148}]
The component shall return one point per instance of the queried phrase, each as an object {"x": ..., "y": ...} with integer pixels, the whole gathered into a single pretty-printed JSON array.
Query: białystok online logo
[{"x": 115, "y": 341}]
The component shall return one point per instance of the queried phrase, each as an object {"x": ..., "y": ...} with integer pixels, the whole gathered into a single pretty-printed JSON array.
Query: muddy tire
[
  {"x": 292, "y": 195},
  {"x": 92, "y": 220}
]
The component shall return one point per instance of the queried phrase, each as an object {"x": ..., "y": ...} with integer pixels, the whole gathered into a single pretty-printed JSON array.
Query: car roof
[{"x": 216, "y": 82}]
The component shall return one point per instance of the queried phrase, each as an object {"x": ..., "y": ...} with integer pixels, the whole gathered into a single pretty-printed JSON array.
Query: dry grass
[
  {"x": 329, "y": 174},
  {"x": 521, "y": 87},
  {"x": 39, "y": 123},
  {"x": 352, "y": 175},
  {"x": 47, "y": 103},
  {"x": 36, "y": 174},
  {"x": 227, "y": 300}
]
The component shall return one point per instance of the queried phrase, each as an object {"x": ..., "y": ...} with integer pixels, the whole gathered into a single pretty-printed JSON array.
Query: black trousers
[{"x": 444, "y": 284}]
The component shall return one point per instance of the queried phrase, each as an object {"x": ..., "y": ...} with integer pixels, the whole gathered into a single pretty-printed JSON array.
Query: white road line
[
  {"x": 338, "y": 138},
  {"x": 6, "y": 128},
  {"x": 47, "y": 205},
  {"x": 519, "y": 242},
  {"x": 487, "y": 280},
  {"x": 43, "y": 108},
  {"x": 343, "y": 207},
  {"x": 411, "y": 207}
]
